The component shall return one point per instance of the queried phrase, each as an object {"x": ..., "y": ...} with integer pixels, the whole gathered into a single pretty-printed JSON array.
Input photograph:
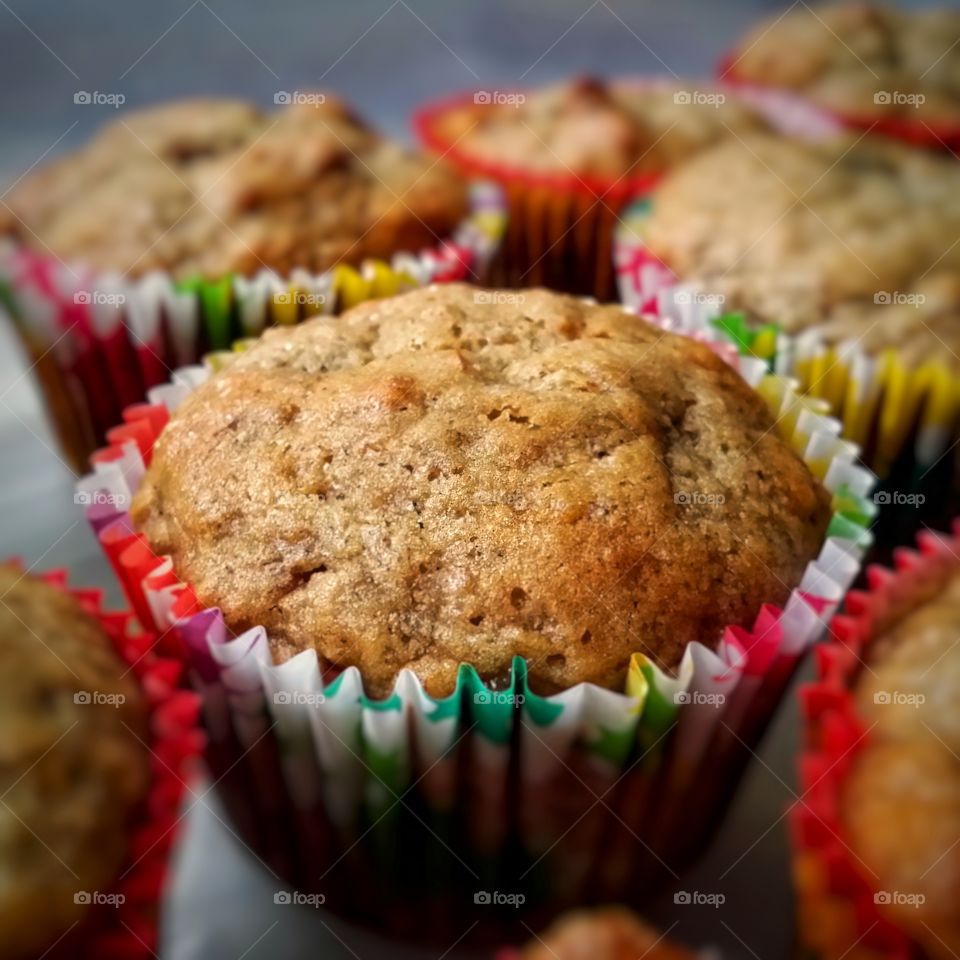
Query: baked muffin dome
[
  {"x": 73, "y": 764},
  {"x": 592, "y": 127},
  {"x": 861, "y": 59},
  {"x": 212, "y": 187},
  {"x": 901, "y": 801},
  {"x": 857, "y": 238},
  {"x": 457, "y": 475}
]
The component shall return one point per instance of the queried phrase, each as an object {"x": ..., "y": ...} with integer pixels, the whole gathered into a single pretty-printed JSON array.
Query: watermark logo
[
  {"x": 100, "y": 498},
  {"x": 693, "y": 296},
  {"x": 503, "y": 297},
  {"x": 897, "y": 698},
  {"x": 298, "y": 98},
  {"x": 697, "y": 898},
  {"x": 898, "y": 898},
  {"x": 898, "y": 299},
  {"x": 497, "y": 898},
  {"x": 886, "y": 98},
  {"x": 284, "y": 898},
  {"x": 99, "y": 297},
  {"x": 696, "y": 498},
  {"x": 97, "y": 98},
  {"x": 498, "y": 98},
  {"x": 896, "y": 498},
  {"x": 94, "y": 898},
  {"x": 96, "y": 698},
  {"x": 701, "y": 98},
  {"x": 500, "y": 698},
  {"x": 301, "y": 298},
  {"x": 698, "y": 697},
  {"x": 298, "y": 698}
]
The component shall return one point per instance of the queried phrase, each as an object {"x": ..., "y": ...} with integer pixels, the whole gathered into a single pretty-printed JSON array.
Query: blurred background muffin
[
  {"x": 877, "y": 831},
  {"x": 569, "y": 155},
  {"x": 74, "y": 765},
  {"x": 876, "y": 66}
]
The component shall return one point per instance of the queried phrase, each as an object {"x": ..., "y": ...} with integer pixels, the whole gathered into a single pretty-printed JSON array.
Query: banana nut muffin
[
  {"x": 856, "y": 238},
  {"x": 72, "y": 762},
  {"x": 592, "y": 127},
  {"x": 608, "y": 933},
  {"x": 860, "y": 59},
  {"x": 901, "y": 802},
  {"x": 461, "y": 476},
  {"x": 212, "y": 187}
]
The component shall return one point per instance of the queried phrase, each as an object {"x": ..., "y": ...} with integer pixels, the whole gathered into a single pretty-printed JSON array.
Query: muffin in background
[
  {"x": 74, "y": 765},
  {"x": 897, "y": 71},
  {"x": 459, "y": 476},
  {"x": 853, "y": 238},
  {"x": 569, "y": 156},
  {"x": 608, "y": 933},
  {"x": 877, "y": 832},
  {"x": 223, "y": 188}
]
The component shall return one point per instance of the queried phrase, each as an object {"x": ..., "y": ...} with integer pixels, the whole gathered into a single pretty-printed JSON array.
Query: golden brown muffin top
[
  {"x": 901, "y": 802},
  {"x": 593, "y": 127},
  {"x": 858, "y": 238},
  {"x": 457, "y": 475},
  {"x": 608, "y": 933},
  {"x": 73, "y": 762},
  {"x": 861, "y": 59},
  {"x": 211, "y": 187}
]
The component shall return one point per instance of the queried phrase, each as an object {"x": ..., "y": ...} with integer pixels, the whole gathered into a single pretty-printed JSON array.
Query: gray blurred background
[{"x": 385, "y": 56}]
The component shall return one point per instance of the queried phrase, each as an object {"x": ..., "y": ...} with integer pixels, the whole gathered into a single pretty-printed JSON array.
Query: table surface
[{"x": 385, "y": 56}]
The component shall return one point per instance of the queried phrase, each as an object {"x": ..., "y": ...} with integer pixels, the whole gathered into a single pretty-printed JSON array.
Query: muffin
[
  {"x": 459, "y": 476},
  {"x": 74, "y": 765},
  {"x": 610, "y": 933},
  {"x": 569, "y": 156},
  {"x": 865, "y": 62},
  {"x": 853, "y": 238},
  {"x": 900, "y": 804},
  {"x": 223, "y": 188}
]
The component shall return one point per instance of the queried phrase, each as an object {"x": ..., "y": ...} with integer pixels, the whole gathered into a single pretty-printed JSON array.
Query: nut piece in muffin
[
  {"x": 213, "y": 187},
  {"x": 72, "y": 762},
  {"x": 901, "y": 801},
  {"x": 459, "y": 476},
  {"x": 608, "y": 933},
  {"x": 592, "y": 127},
  {"x": 860, "y": 59},
  {"x": 856, "y": 238}
]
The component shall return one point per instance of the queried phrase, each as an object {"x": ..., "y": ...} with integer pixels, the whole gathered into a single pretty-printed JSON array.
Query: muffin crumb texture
[
  {"x": 461, "y": 476},
  {"x": 73, "y": 762}
]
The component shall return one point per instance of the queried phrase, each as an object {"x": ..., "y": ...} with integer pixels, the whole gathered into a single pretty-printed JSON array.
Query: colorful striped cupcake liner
[{"x": 520, "y": 788}]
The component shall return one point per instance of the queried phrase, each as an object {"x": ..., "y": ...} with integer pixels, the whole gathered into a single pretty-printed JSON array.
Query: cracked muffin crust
[
  {"x": 71, "y": 772},
  {"x": 462, "y": 476},
  {"x": 860, "y": 59},
  {"x": 212, "y": 187},
  {"x": 593, "y": 127},
  {"x": 856, "y": 238},
  {"x": 901, "y": 801}
]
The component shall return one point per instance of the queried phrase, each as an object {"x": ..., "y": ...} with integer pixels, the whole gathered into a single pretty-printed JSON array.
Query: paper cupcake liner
[
  {"x": 99, "y": 342},
  {"x": 561, "y": 225},
  {"x": 519, "y": 788},
  {"x": 129, "y": 931},
  {"x": 916, "y": 132},
  {"x": 837, "y": 911},
  {"x": 905, "y": 419}
]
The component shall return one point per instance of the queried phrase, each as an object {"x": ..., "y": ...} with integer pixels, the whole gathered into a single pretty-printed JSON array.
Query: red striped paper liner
[
  {"x": 837, "y": 914},
  {"x": 130, "y": 930}
]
